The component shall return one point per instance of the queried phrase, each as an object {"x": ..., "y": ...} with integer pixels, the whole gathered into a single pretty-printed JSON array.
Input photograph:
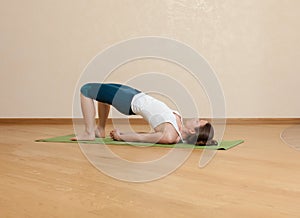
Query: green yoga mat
[{"x": 224, "y": 145}]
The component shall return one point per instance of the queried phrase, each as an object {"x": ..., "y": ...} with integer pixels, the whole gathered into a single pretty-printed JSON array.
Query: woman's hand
[{"x": 115, "y": 135}]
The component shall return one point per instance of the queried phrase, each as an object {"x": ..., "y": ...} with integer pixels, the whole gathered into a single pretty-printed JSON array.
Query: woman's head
[{"x": 202, "y": 135}]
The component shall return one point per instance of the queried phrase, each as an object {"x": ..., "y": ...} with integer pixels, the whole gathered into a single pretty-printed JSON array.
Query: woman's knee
[
  {"x": 90, "y": 90},
  {"x": 85, "y": 89}
]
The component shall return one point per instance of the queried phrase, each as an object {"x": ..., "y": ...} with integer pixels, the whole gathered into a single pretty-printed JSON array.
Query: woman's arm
[{"x": 156, "y": 137}]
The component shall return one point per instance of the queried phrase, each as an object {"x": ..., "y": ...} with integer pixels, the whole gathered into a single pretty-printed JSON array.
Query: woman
[{"x": 167, "y": 124}]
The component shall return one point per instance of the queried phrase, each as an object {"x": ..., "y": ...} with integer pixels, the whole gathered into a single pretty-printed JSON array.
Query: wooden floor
[{"x": 259, "y": 178}]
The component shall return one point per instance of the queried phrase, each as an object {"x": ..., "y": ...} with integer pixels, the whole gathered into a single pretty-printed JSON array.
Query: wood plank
[{"x": 259, "y": 178}]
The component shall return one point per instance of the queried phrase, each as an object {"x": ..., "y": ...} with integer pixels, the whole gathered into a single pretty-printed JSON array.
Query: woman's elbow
[{"x": 169, "y": 138}]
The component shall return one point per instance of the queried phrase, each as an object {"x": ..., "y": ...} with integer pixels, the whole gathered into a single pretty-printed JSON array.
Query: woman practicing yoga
[{"x": 168, "y": 125}]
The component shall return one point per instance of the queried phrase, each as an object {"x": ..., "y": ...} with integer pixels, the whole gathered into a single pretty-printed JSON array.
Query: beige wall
[{"x": 253, "y": 45}]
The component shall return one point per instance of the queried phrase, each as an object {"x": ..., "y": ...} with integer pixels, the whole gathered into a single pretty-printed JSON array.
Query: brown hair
[{"x": 204, "y": 136}]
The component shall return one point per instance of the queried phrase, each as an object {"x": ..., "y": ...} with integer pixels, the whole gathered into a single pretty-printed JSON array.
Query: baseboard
[
  {"x": 64, "y": 121},
  {"x": 139, "y": 121},
  {"x": 262, "y": 121}
]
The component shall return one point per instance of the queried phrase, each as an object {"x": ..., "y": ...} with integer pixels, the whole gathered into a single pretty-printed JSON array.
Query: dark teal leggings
[{"x": 117, "y": 95}]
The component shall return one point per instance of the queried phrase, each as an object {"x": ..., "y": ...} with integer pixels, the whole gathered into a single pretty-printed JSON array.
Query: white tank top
[{"x": 154, "y": 111}]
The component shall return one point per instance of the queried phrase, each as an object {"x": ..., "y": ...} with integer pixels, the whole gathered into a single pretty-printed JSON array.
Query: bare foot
[
  {"x": 99, "y": 132},
  {"x": 84, "y": 137}
]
